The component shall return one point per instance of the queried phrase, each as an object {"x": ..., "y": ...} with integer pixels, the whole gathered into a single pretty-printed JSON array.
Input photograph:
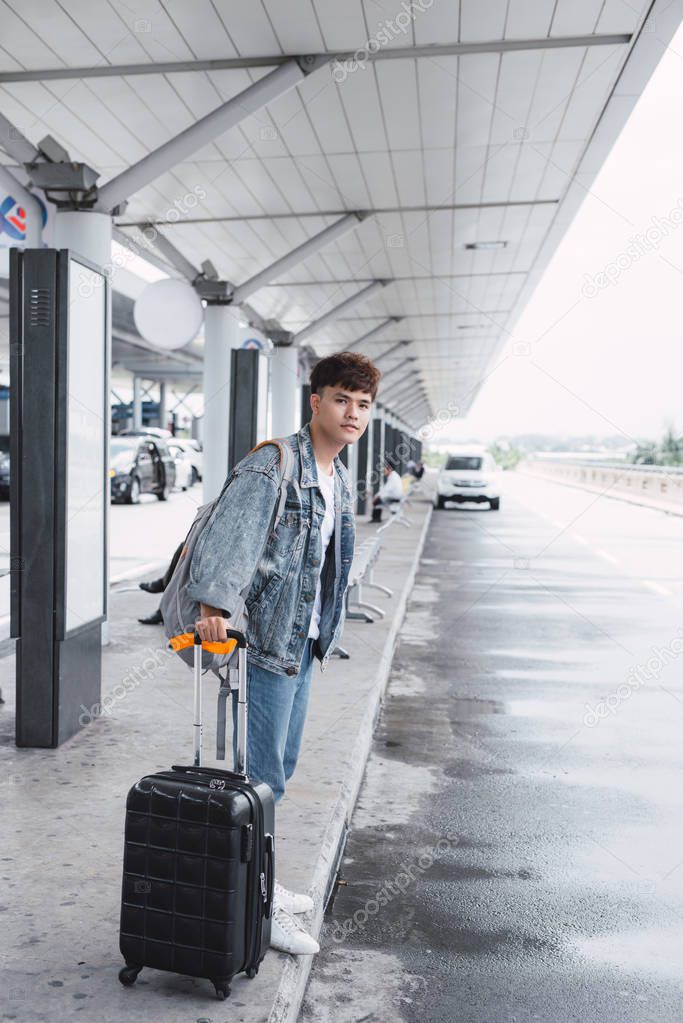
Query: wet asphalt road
[{"x": 516, "y": 852}]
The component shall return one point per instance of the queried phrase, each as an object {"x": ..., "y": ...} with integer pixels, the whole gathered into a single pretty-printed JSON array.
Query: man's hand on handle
[{"x": 211, "y": 626}]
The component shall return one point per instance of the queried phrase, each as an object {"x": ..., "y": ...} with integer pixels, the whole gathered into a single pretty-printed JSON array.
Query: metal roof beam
[
  {"x": 439, "y": 208},
  {"x": 371, "y": 333},
  {"x": 205, "y": 130},
  {"x": 343, "y": 56},
  {"x": 308, "y": 248},
  {"x": 399, "y": 388},
  {"x": 399, "y": 365},
  {"x": 15, "y": 143},
  {"x": 334, "y": 314},
  {"x": 389, "y": 351}
]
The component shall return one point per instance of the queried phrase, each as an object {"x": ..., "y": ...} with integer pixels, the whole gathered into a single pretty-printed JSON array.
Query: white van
[{"x": 468, "y": 474}]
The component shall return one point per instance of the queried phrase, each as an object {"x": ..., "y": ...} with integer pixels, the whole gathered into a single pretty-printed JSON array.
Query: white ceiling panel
[
  {"x": 621, "y": 15},
  {"x": 295, "y": 24},
  {"x": 438, "y": 89},
  {"x": 105, "y": 29},
  {"x": 158, "y": 35},
  {"x": 597, "y": 76},
  {"x": 343, "y": 26},
  {"x": 557, "y": 78},
  {"x": 517, "y": 78},
  {"x": 577, "y": 18},
  {"x": 477, "y": 82},
  {"x": 201, "y": 27},
  {"x": 482, "y": 20},
  {"x": 360, "y": 99},
  {"x": 249, "y": 28},
  {"x": 399, "y": 100},
  {"x": 529, "y": 20},
  {"x": 437, "y": 22},
  {"x": 409, "y": 173},
  {"x": 321, "y": 98}
]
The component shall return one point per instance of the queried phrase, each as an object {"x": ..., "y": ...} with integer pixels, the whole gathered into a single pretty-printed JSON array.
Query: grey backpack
[{"x": 180, "y": 611}]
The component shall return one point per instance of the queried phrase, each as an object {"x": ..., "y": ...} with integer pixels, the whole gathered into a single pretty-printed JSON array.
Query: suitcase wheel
[
  {"x": 251, "y": 972},
  {"x": 222, "y": 989},
  {"x": 128, "y": 974}
]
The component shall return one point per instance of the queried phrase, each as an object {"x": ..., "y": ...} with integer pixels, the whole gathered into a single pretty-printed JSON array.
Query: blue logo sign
[{"x": 13, "y": 218}]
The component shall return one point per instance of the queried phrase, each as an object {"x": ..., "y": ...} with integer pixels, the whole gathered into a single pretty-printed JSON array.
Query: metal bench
[
  {"x": 363, "y": 561},
  {"x": 396, "y": 509},
  {"x": 361, "y": 574}
]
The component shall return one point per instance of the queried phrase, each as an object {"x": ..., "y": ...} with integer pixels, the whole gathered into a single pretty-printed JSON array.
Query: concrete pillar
[
  {"x": 89, "y": 234},
  {"x": 163, "y": 411},
  {"x": 306, "y": 413},
  {"x": 388, "y": 437},
  {"x": 364, "y": 463},
  {"x": 284, "y": 382},
  {"x": 137, "y": 404},
  {"x": 378, "y": 440},
  {"x": 221, "y": 335}
]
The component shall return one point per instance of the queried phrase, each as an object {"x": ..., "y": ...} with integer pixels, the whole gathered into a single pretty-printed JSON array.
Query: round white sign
[{"x": 168, "y": 313}]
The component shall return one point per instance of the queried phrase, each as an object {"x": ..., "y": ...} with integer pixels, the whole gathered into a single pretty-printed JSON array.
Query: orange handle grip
[{"x": 186, "y": 639}]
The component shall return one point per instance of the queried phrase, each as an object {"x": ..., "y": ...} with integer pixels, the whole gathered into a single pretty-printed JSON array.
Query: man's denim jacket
[{"x": 240, "y": 544}]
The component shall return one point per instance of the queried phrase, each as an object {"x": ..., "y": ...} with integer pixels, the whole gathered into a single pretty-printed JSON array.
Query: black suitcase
[{"x": 199, "y": 862}]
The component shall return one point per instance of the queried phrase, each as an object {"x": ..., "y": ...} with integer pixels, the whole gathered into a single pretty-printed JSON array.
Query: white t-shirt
[
  {"x": 392, "y": 488},
  {"x": 326, "y": 530}
]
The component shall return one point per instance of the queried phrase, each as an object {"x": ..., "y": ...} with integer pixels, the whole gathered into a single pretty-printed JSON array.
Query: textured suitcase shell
[{"x": 199, "y": 863}]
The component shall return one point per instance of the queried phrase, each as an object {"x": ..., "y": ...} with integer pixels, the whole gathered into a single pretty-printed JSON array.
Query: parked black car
[{"x": 140, "y": 465}]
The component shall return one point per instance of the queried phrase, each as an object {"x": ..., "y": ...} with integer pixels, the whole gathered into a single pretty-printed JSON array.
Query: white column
[
  {"x": 285, "y": 387},
  {"x": 89, "y": 234},
  {"x": 221, "y": 335},
  {"x": 137, "y": 404},
  {"x": 86, "y": 234}
]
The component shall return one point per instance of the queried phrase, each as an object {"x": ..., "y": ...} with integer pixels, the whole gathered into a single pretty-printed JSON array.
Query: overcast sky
[{"x": 621, "y": 351}]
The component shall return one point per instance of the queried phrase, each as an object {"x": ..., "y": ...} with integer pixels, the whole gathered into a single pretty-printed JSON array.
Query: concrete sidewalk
[{"x": 64, "y": 814}]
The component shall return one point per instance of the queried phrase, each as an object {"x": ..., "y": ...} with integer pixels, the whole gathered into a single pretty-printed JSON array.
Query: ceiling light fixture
[{"x": 485, "y": 245}]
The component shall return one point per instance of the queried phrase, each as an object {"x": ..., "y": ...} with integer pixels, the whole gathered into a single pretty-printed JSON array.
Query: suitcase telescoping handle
[{"x": 234, "y": 638}]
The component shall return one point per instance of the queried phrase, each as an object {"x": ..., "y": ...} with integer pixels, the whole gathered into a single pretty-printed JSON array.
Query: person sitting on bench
[{"x": 390, "y": 491}]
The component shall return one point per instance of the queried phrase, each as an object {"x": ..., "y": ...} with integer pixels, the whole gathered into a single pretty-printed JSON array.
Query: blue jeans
[{"x": 276, "y": 713}]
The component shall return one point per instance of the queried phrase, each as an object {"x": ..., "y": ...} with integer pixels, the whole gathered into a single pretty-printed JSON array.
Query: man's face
[{"x": 341, "y": 413}]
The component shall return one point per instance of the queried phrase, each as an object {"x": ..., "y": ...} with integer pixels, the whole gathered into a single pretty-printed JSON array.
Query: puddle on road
[
  {"x": 404, "y": 684},
  {"x": 419, "y": 628},
  {"x": 653, "y": 951},
  {"x": 398, "y": 788},
  {"x": 424, "y": 594},
  {"x": 366, "y": 986},
  {"x": 557, "y": 709}
]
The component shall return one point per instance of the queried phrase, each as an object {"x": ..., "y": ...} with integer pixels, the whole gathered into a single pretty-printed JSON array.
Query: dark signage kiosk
[{"x": 59, "y": 378}]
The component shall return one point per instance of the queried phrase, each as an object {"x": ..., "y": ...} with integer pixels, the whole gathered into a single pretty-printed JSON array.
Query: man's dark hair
[{"x": 351, "y": 370}]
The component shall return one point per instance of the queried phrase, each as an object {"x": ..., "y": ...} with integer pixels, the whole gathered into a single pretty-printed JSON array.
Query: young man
[{"x": 293, "y": 581}]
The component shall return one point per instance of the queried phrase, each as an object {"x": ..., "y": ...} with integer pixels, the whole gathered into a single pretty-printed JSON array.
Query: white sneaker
[
  {"x": 287, "y": 936},
  {"x": 293, "y": 902}
]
